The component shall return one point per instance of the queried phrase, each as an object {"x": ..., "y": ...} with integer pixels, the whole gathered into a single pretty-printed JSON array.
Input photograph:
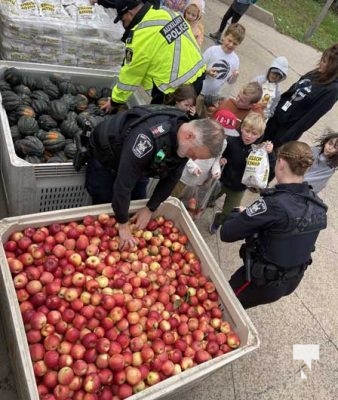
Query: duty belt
[
  {"x": 263, "y": 273},
  {"x": 272, "y": 272}
]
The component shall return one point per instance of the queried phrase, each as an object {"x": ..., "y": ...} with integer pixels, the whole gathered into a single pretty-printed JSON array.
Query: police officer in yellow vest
[{"x": 161, "y": 52}]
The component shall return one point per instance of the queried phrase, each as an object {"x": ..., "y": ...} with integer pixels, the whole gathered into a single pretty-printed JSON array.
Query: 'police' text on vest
[{"x": 174, "y": 29}]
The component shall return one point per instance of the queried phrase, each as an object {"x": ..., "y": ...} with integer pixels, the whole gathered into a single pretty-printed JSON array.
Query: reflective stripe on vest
[
  {"x": 123, "y": 86},
  {"x": 183, "y": 79},
  {"x": 175, "y": 80}
]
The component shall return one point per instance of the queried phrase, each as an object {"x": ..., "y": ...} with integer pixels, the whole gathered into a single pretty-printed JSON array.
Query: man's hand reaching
[
  {"x": 141, "y": 218},
  {"x": 127, "y": 240}
]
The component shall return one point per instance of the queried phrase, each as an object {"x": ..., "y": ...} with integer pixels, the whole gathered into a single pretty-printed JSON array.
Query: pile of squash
[{"x": 45, "y": 113}]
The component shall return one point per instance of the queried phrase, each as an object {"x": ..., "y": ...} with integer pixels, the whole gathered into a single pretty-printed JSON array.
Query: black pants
[
  {"x": 253, "y": 294},
  {"x": 158, "y": 96},
  {"x": 275, "y": 132},
  {"x": 231, "y": 13},
  {"x": 100, "y": 183}
]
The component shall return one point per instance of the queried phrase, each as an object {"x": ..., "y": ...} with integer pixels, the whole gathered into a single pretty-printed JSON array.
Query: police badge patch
[
  {"x": 128, "y": 57},
  {"x": 256, "y": 208},
  {"x": 142, "y": 146}
]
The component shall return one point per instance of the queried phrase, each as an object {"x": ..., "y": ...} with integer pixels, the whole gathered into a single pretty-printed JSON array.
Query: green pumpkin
[
  {"x": 106, "y": 92},
  {"x": 67, "y": 87},
  {"x": 53, "y": 141},
  {"x": 69, "y": 128},
  {"x": 93, "y": 93},
  {"x": 12, "y": 117},
  {"x": 13, "y": 76},
  {"x": 34, "y": 159},
  {"x": 81, "y": 103},
  {"x": 81, "y": 89},
  {"x": 58, "y": 157},
  {"x": 40, "y": 95},
  {"x": 15, "y": 133},
  {"x": 22, "y": 89},
  {"x": 25, "y": 99},
  {"x": 51, "y": 90},
  {"x": 29, "y": 81},
  {"x": 4, "y": 86},
  {"x": 40, "y": 106},
  {"x": 28, "y": 126},
  {"x": 58, "y": 110},
  {"x": 70, "y": 150},
  {"x": 29, "y": 146},
  {"x": 25, "y": 110},
  {"x": 10, "y": 100},
  {"x": 46, "y": 122}
]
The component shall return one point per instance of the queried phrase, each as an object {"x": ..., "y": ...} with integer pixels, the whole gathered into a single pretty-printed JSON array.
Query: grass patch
[{"x": 294, "y": 18}]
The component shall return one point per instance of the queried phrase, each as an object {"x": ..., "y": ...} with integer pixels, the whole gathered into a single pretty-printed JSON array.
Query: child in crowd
[
  {"x": 325, "y": 162},
  {"x": 179, "y": 5},
  {"x": 248, "y": 99},
  {"x": 198, "y": 172},
  {"x": 235, "y": 12},
  {"x": 276, "y": 73},
  {"x": 211, "y": 104},
  {"x": 235, "y": 155},
  {"x": 222, "y": 63},
  {"x": 184, "y": 98},
  {"x": 193, "y": 15},
  {"x": 176, "y": 5}
]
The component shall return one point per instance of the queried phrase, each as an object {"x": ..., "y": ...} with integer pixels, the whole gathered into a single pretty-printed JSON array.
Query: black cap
[{"x": 123, "y": 6}]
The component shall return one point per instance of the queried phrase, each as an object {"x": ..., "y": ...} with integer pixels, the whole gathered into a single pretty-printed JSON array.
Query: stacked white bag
[{"x": 63, "y": 32}]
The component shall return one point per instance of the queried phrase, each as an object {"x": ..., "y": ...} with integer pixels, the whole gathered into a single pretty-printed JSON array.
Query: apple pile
[{"x": 103, "y": 324}]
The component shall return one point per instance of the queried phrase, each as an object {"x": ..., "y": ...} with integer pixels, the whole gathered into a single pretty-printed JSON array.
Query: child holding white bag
[{"x": 235, "y": 155}]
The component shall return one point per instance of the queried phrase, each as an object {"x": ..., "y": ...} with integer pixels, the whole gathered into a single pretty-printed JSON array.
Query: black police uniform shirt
[
  {"x": 276, "y": 213},
  {"x": 136, "y": 156}
]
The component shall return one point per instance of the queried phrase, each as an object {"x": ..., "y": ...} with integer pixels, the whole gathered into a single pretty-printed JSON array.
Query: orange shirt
[{"x": 229, "y": 104}]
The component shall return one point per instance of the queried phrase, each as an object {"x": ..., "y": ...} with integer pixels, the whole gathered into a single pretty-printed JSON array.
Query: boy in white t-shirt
[{"x": 222, "y": 63}]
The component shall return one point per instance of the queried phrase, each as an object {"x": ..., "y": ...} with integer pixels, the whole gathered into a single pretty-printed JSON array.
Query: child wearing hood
[
  {"x": 193, "y": 15},
  {"x": 276, "y": 73},
  {"x": 179, "y": 5}
]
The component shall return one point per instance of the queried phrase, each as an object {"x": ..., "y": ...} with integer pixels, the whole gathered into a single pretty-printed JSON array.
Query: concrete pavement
[{"x": 309, "y": 315}]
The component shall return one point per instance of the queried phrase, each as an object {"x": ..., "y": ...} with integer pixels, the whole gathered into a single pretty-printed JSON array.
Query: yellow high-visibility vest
[{"x": 161, "y": 51}]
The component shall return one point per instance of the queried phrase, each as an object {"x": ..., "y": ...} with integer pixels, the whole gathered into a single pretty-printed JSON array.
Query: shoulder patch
[
  {"x": 128, "y": 56},
  {"x": 256, "y": 208},
  {"x": 142, "y": 146},
  {"x": 130, "y": 37},
  {"x": 160, "y": 129}
]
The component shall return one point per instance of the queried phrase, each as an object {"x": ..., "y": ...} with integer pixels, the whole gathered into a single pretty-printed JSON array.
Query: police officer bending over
[
  {"x": 154, "y": 141},
  {"x": 280, "y": 229}
]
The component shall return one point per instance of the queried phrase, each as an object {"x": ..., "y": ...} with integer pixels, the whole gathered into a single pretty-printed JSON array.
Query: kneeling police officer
[
  {"x": 145, "y": 141},
  {"x": 280, "y": 228}
]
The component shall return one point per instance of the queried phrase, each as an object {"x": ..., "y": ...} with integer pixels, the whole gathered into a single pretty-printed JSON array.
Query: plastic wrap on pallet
[{"x": 57, "y": 31}]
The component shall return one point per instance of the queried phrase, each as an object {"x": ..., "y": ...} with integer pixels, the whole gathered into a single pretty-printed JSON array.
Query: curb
[{"x": 261, "y": 15}]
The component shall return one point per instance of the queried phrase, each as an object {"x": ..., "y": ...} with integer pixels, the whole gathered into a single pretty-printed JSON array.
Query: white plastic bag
[{"x": 256, "y": 173}]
